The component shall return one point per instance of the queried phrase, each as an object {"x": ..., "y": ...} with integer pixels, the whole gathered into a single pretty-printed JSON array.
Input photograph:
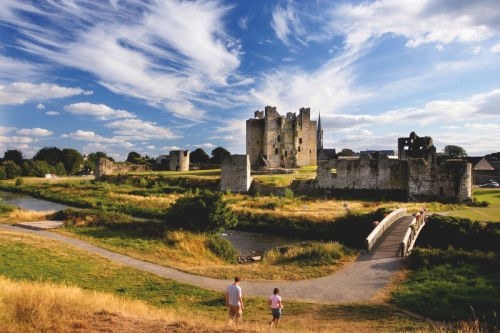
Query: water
[
  {"x": 30, "y": 203},
  {"x": 246, "y": 243},
  {"x": 252, "y": 243}
]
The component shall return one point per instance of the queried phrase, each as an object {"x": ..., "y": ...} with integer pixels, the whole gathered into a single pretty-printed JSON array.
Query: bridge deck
[{"x": 389, "y": 244}]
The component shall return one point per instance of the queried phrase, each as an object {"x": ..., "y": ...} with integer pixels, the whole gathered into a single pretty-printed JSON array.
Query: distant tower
[{"x": 320, "y": 134}]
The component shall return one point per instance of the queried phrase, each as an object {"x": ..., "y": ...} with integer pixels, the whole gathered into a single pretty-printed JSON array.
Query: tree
[
  {"x": 198, "y": 156},
  {"x": 205, "y": 212},
  {"x": 12, "y": 170},
  {"x": 72, "y": 160},
  {"x": 51, "y": 155},
  {"x": 2, "y": 173},
  {"x": 217, "y": 155},
  {"x": 134, "y": 158},
  {"x": 14, "y": 155},
  {"x": 60, "y": 170},
  {"x": 346, "y": 152},
  {"x": 37, "y": 168},
  {"x": 454, "y": 151}
]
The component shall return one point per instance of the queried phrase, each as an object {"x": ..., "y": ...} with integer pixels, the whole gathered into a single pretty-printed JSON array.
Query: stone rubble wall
[{"x": 104, "y": 166}]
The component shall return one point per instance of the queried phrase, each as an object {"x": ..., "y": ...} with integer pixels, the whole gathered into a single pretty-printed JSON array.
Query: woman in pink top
[{"x": 276, "y": 306}]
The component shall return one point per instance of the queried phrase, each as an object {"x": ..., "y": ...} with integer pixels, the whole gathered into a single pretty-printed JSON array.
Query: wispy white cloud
[
  {"x": 22, "y": 92},
  {"x": 52, "y": 113},
  {"x": 40, "y": 106},
  {"x": 39, "y": 132},
  {"x": 286, "y": 23},
  {"x": 101, "y": 111},
  {"x": 163, "y": 52},
  {"x": 136, "y": 129}
]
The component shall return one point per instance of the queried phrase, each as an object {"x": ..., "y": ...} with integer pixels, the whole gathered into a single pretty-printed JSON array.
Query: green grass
[
  {"x": 487, "y": 194},
  {"x": 27, "y": 257},
  {"x": 36, "y": 259},
  {"x": 446, "y": 291},
  {"x": 490, "y": 214}
]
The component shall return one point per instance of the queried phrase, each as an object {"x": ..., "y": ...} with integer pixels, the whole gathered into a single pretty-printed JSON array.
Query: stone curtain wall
[
  {"x": 235, "y": 174},
  {"x": 449, "y": 182},
  {"x": 104, "y": 166},
  {"x": 413, "y": 179},
  {"x": 179, "y": 160},
  {"x": 364, "y": 173}
]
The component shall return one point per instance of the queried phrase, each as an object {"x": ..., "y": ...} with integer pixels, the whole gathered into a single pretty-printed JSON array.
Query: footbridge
[{"x": 396, "y": 234}]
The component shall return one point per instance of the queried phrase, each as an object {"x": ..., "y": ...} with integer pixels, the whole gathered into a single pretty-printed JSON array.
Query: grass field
[
  {"x": 41, "y": 261},
  {"x": 490, "y": 214}
]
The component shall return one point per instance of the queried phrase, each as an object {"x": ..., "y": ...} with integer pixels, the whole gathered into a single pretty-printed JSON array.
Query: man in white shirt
[{"x": 234, "y": 301}]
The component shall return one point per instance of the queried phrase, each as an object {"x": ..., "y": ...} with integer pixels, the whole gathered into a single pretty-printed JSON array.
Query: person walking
[
  {"x": 234, "y": 301},
  {"x": 276, "y": 306}
]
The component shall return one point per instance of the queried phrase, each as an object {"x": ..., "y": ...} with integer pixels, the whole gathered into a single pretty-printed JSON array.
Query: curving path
[{"x": 359, "y": 281}]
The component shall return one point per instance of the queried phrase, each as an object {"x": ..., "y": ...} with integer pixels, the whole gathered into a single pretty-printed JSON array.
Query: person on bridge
[
  {"x": 276, "y": 306},
  {"x": 234, "y": 301}
]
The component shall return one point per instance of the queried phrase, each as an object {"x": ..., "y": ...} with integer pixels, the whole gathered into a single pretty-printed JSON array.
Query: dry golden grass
[
  {"x": 47, "y": 307},
  {"x": 25, "y": 216}
]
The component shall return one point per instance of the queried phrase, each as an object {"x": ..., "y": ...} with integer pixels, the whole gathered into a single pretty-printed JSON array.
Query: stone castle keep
[{"x": 277, "y": 141}]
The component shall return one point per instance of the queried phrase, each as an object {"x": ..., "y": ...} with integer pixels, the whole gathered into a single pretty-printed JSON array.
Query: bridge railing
[
  {"x": 379, "y": 230},
  {"x": 411, "y": 234}
]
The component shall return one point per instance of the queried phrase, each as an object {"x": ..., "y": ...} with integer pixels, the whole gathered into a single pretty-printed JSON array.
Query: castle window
[
  {"x": 300, "y": 140},
  {"x": 257, "y": 141},
  {"x": 276, "y": 151},
  {"x": 299, "y": 149},
  {"x": 285, "y": 154},
  {"x": 279, "y": 138}
]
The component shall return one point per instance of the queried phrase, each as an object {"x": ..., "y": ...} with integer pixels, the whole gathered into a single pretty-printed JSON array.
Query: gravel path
[{"x": 359, "y": 281}]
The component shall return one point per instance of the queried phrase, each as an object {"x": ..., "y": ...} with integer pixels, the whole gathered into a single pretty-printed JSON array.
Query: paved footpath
[{"x": 357, "y": 282}]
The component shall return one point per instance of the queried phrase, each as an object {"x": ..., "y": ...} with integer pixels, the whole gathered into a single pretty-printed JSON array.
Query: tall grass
[{"x": 309, "y": 254}]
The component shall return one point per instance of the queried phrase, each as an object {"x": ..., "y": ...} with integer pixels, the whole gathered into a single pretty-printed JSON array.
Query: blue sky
[{"x": 152, "y": 76}]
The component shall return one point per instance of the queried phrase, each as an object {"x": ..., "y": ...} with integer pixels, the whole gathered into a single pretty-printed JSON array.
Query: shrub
[
  {"x": 310, "y": 253},
  {"x": 288, "y": 193},
  {"x": 444, "y": 231},
  {"x": 205, "y": 212},
  {"x": 222, "y": 248},
  {"x": 91, "y": 217},
  {"x": 6, "y": 208},
  {"x": 19, "y": 181}
]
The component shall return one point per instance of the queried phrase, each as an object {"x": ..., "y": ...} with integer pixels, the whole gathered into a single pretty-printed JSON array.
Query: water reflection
[{"x": 30, "y": 203}]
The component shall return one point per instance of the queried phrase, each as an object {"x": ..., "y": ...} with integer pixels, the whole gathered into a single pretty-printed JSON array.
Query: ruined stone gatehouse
[
  {"x": 179, "y": 160},
  {"x": 235, "y": 174},
  {"x": 281, "y": 141}
]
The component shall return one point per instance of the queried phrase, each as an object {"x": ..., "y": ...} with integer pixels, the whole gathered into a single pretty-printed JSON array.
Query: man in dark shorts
[{"x": 234, "y": 302}]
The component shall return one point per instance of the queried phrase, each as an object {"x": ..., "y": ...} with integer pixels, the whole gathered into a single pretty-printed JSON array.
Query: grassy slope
[{"x": 26, "y": 257}]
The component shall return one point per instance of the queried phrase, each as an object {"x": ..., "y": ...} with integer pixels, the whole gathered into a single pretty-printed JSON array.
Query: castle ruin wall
[
  {"x": 235, "y": 174},
  {"x": 104, "y": 166}
]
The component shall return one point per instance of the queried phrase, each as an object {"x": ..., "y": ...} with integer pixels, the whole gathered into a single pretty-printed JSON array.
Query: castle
[{"x": 277, "y": 141}]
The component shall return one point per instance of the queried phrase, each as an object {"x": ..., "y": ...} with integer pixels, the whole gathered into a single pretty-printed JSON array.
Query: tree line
[{"x": 69, "y": 161}]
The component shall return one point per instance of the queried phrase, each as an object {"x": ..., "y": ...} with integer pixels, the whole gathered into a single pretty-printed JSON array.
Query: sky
[{"x": 151, "y": 76}]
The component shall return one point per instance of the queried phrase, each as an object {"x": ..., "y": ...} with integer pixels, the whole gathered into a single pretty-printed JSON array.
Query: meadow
[{"x": 420, "y": 288}]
